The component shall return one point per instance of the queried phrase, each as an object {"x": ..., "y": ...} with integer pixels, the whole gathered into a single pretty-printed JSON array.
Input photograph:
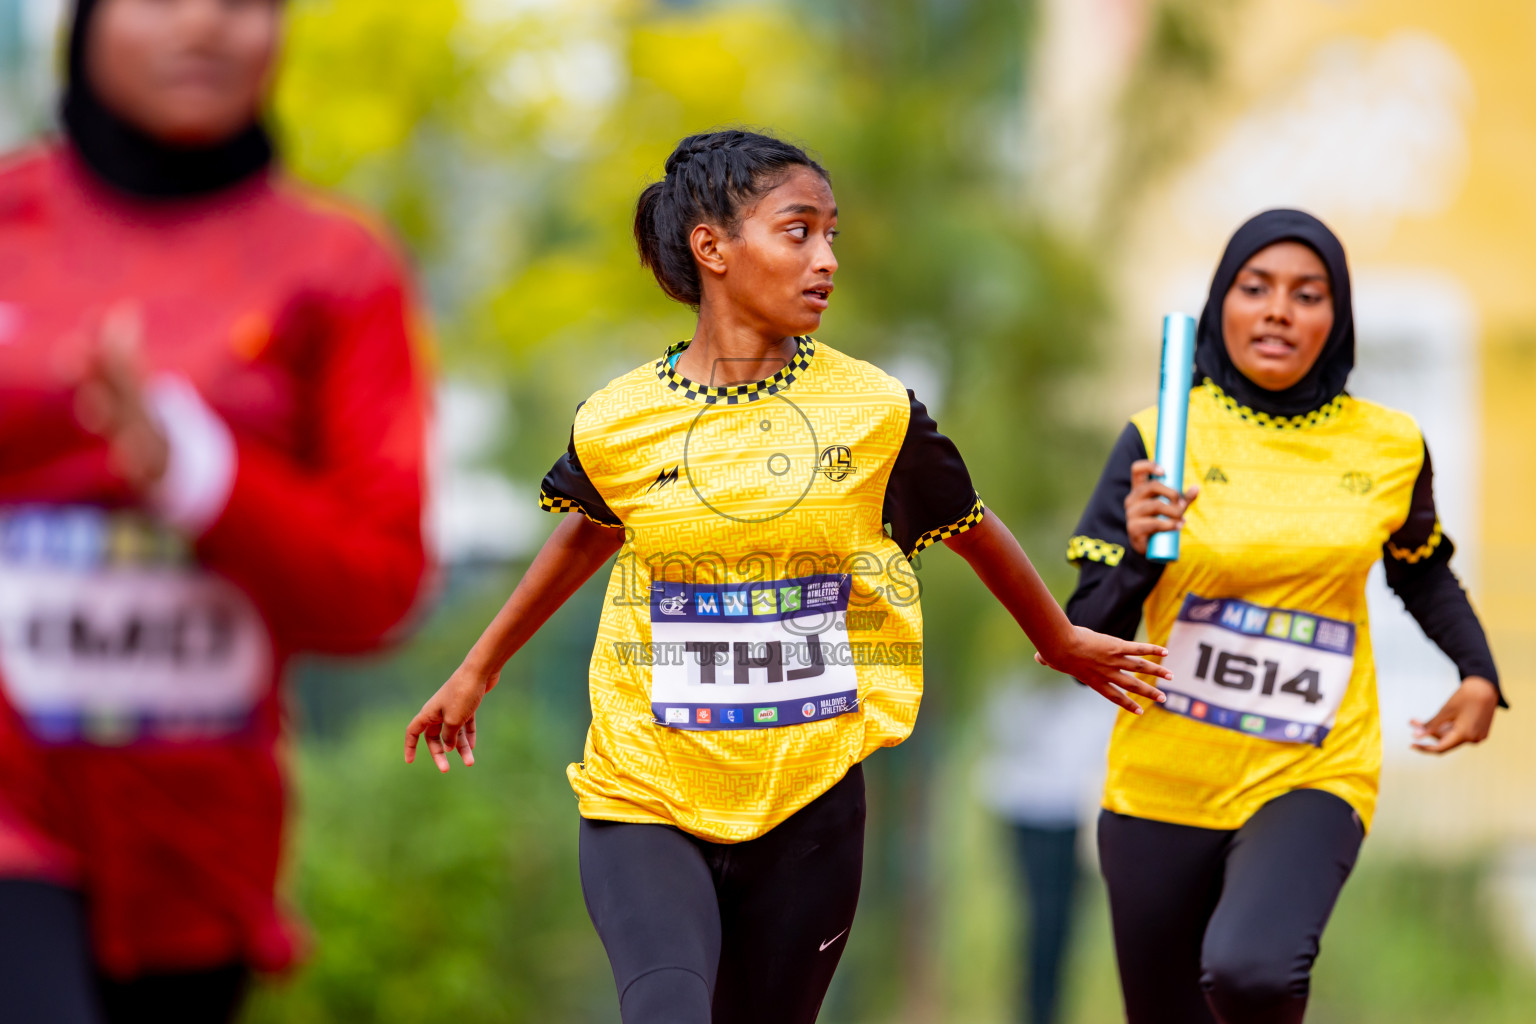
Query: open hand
[
  {"x": 1106, "y": 663},
  {"x": 447, "y": 719},
  {"x": 1153, "y": 506},
  {"x": 110, "y": 402},
  {"x": 1465, "y": 718}
]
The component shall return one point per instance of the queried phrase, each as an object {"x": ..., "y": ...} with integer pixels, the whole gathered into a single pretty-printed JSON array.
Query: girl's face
[
  {"x": 776, "y": 270},
  {"x": 188, "y": 72},
  {"x": 1277, "y": 315}
]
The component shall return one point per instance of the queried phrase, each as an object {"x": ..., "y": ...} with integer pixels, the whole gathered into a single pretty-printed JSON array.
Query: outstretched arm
[
  {"x": 1101, "y": 662},
  {"x": 929, "y": 497},
  {"x": 570, "y": 556},
  {"x": 1417, "y": 558}
]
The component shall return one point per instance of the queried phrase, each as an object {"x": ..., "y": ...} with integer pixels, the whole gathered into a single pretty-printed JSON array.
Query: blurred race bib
[
  {"x": 1275, "y": 673},
  {"x": 110, "y": 633}
]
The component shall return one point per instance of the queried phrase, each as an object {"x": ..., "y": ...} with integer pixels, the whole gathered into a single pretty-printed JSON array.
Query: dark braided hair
[{"x": 710, "y": 177}]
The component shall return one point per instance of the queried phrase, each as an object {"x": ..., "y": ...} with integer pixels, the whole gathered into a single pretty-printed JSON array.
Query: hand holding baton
[{"x": 1173, "y": 420}]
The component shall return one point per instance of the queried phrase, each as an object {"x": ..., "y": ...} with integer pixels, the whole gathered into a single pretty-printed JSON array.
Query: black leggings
[
  {"x": 46, "y": 974},
  {"x": 735, "y": 933},
  {"x": 1223, "y": 926}
]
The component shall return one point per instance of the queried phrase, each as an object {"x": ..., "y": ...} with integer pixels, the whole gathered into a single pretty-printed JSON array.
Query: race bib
[
  {"x": 1274, "y": 673},
  {"x": 751, "y": 655},
  {"x": 109, "y": 633}
]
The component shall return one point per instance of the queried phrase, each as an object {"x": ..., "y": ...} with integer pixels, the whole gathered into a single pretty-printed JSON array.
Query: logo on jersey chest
[
  {"x": 1357, "y": 483},
  {"x": 836, "y": 463},
  {"x": 664, "y": 477}
]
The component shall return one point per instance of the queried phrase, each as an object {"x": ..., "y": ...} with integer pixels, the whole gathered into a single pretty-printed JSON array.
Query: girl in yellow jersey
[
  {"x": 1247, "y": 794},
  {"x": 761, "y": 633}
]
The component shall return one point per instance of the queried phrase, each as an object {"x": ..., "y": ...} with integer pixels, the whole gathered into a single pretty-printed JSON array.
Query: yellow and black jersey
[
  {"x": 1264, "y": 613},
  {"x": 761, "y": 632}
]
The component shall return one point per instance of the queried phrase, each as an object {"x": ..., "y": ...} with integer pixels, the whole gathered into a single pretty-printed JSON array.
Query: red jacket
[{"x": 139, "y": 704}]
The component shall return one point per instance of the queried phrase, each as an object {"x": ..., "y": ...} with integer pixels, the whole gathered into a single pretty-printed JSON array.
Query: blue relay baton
[{"x": 1173, "y": 419}]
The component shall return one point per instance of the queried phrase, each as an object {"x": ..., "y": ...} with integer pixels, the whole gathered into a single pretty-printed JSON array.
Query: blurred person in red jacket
[{"x": 211, "y": 456}]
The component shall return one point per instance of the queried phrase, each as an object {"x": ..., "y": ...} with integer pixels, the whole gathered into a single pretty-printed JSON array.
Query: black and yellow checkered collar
[
  {"x": 1328, "y": 411},
  {"x": 736, "y": 394}
]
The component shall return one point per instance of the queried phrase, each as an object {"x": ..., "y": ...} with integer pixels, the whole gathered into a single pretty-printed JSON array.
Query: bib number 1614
[
  {"x": 1274, "y": 673},
  {"x": 1241, "y": 672}
]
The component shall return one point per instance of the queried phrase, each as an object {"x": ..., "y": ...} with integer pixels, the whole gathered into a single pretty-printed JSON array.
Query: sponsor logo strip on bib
[
  {"x": 751, "y": 655},
  {"x": 1274, "y": 673}
]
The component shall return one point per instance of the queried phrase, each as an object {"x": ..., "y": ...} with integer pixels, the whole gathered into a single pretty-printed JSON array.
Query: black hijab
[
  {"x": 134, "y": 162},
  {"x": 1328, "y": 375}
]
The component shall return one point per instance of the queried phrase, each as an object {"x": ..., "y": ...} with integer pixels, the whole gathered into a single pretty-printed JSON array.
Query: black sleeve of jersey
[
  {"x": 566, "y": 486},
  {"x": 1113, "y": 581},
  {"x": 1418, "y": 562},
  {"x": 929, "y": 497}
]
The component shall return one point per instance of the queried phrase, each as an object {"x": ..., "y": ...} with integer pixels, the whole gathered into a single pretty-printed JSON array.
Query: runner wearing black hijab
[
  {"x": 157, "y": 150},
  {"x": 1250, "y": 790},
  {"x": 212, "y": 414}
]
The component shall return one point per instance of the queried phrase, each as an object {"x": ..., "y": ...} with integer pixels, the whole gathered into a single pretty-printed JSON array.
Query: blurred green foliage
[
  {"x": 1413, "y": 943},
  {"x": 547, "y": 120},
  {"x": 441, "y": 896},
  {"x": 451, "y": 894}
]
